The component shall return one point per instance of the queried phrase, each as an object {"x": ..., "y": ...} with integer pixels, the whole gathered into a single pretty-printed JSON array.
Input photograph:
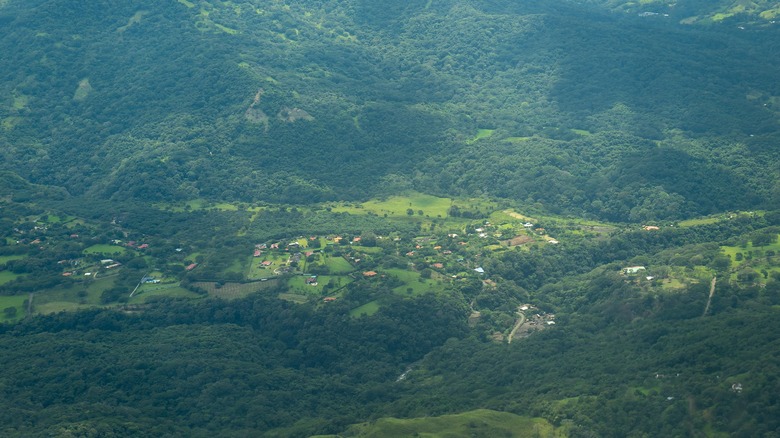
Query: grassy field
[
  {"x": 413, "y": 281},
  {"x": 7, "y": 276},
  {"x": 8, "y": 258},
  {"x": 367, "y": 309},
  {"x": 81, "y": 296},
  {"x": 198, "y": 204},
  {"x": 700, "y": 221},
  {"x": 753, "y": 258},
  {"x": 161, "y": 290},
  {"x": 431, "y": 206},
  {"x": 105, "y": 249},
  {"x": 298, "y": 284},
  {"x": 338, "y": 265},
  {"x": 295, "y": 298},
  {"x": 16, "y": 301},
  {"x": 516, "y": 140},
  {"x": 230, "y": 291},
  {"x": 257, "y": 270},
  {"x": 482, "y": 133},
  {"x": 481, "y": 422}
]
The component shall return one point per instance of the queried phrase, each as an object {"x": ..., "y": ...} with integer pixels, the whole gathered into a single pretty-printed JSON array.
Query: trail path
[
  {"x": 712, "y": 292},
  {"x": 520, "y": 322},
  {"x": 30, "y": 304}
]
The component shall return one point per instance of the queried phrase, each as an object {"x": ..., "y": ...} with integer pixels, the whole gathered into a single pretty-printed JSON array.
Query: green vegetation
[
  {"x": 365, "y": 218},
  {"x": 367, "y": 309},
  {"x": 475, "y": 423},
  {"x": 6, "y": 277},
  {"x": 104, "y": 249}
]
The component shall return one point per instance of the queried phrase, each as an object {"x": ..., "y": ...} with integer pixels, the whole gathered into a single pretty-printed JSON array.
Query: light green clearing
[
  {"x": 431, "y": 206},
  {"x": 55, "y": 307},
  {"x": 699, "y": 221},
  {"x": 53, "y": 219},
  {"x": 481, "y": 422},
  {"x": 298, "y": 284},
  {"x": 105, "y": 249},
  {"x": 8, "y": 276},
  {"x": 20, "y": 102},
  {"x": 482, "y": 133},
  {"x": 257, "y": 270},
  {"x": 94, "y": 289},
  {"x": 8, "y": 258},
  {"x": 295, "y": 298},
  {"x": 367, "y": 309},
  {"x": 225, "y": 28},
  {"x": 12, "y": 301},
  {"x": 58, "y": 300},
  {"x": 230, "y": 291},
  {"x": 187, "y": 3},
  {"x": 239, "y": 265},
  {"x": 770, "y": 14},
  {"x": 83, "y": 90},
  {"x": 732, "y": 251},
  {"x": 412, "y": 281},
  {"x": 197, "y": 204},
  {"x": 672, "y": 284},
  {"x": 10, "y": 123},
  {"x": 517, "y": 139},
  {"x": 582, "y": 132},
  {"x": 170, "y": 290},
  {"x": 367, "y": 249},
  {"x": 135, "y": 19},
  {"x": 338, "y": 265}
]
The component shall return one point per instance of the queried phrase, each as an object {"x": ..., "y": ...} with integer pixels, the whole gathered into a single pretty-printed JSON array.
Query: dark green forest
[
  {"x": 617, "y": 116},
  {"x": 348, "y": 218}
]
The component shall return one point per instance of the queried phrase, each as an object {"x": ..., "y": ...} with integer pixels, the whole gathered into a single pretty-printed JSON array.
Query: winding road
[{"x": 520, "y": 322}]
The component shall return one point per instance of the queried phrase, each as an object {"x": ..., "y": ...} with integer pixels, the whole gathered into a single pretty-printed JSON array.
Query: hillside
[
  {"x": 740, "y": 12},
  {"x": 452, "y": 218},
  {"x": 582, "y": 109}
]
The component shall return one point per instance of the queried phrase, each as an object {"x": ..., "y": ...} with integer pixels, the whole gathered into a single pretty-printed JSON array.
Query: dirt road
[{"x": 712, "y": 292}]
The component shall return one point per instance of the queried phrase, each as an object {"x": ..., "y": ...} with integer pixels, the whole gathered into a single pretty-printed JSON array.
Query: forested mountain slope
[
  {"x": 573, "y": 105},
  {"x": 701, "y": 11}
]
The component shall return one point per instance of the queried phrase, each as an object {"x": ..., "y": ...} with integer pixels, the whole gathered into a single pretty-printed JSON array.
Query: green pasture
[
  {"x": 367, "y": 309},
  {"x": 413, "y": 281},
  {"x": 515, "y": 140},
  {"x": 50, "y": 307},
  {"x": 197, "y": 204},
  {"x": 104, "y": 249},
  {"x": 481, "y": 422},
  {"x": 367, "y": 249},
  {"x": 294, "y": 298},
  {"x": 8, "y": 276},
  {"x": 172, "y": 290},
  {"x": 700, "y": 221},
  {"x": 757, "y": 253},
  {"x": 338, "y": 265},
  {"x": 431, "y": 206},
  {"x": 79, "y": 296},
  {"x": 297, "y": 284},
  {"x": 8, "y": 258},
  {"x": 482, "y": 133},
  {"x": 53, "y": 219},
  {"x": 230, "y": 291},
  {"x": 257, "y": 270},
  {"x": 16, "y": 301},
  {"x": 96, "y": 287}
]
